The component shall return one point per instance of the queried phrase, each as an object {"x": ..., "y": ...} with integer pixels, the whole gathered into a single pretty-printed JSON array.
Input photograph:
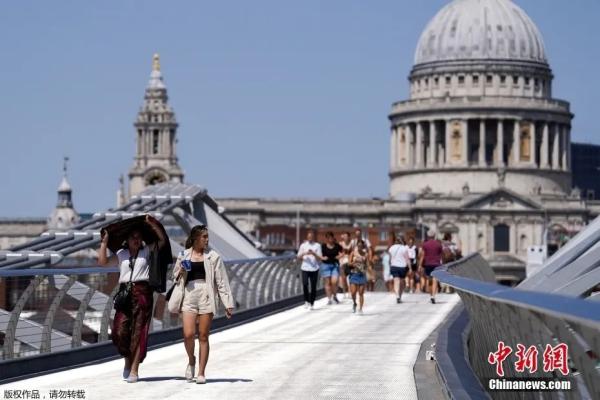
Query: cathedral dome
[{"x": 467, "y": 30}]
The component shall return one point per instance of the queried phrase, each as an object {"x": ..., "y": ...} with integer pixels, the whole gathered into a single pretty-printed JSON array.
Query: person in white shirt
[
  {"x": 310, "y": 254},
  {"x": 399, "y": 262}
]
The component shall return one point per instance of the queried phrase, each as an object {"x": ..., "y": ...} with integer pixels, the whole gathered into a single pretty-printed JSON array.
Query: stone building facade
[{"x": 480, "y": 149}]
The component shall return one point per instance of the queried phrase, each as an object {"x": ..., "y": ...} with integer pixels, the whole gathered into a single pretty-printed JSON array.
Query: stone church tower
[{"x": 156, "y": 131}]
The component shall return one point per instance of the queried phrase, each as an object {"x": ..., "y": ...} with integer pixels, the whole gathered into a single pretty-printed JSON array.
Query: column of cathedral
[
  {"x": 556, "y": 147},
  {"x": 482, "y": 161},
  {"x": 533, "y": 144},
  {"x": 419, "y": 150},
  {"x": 516, "y": 145},
  {"x": 432, "y": 159},
  {"x": 500, "y": 143},
  {"x": 419, "y": 145},
  {"x": 565, "y": 148},
  {"x": 394, "y": 159}
]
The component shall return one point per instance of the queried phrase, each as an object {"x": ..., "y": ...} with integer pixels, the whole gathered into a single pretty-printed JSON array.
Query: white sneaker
[
  {"x": 132, "y": 378},
  {"x": 200, "y": 380},
  {"x": 189, "y": 372},
  {"x": 306, "y": 304},
  {"x": 329, "y": 302},
  {"x": 360, "y": 312}
]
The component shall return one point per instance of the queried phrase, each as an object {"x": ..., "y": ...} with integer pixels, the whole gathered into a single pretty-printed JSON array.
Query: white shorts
[{"x": 196, "y": 298}]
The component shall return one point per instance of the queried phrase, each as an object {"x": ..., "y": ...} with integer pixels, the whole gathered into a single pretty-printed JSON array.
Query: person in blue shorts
[
  {"x": 330, "y": 266},
  {"x": 359, "y": 263}
]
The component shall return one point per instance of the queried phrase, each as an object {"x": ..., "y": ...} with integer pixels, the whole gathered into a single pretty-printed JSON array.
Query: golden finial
[{"x": 156, "y": 62}]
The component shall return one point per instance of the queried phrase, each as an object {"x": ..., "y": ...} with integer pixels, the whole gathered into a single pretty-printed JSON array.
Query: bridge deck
[{"x": 298, "y": 354}]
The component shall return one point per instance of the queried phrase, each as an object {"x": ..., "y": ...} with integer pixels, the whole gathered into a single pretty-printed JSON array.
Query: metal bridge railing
[
  {"x": 499, "y": 313},
  {"x": 49, "y": 310}
]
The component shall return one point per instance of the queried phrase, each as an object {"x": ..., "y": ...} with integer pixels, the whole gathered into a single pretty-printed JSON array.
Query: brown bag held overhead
[{"x": 159, "y": 258}]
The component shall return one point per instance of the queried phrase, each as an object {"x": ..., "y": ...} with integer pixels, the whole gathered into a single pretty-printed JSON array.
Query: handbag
[
  {"x": 175, "y": 295},
  {"x": 122, "y": 299}
]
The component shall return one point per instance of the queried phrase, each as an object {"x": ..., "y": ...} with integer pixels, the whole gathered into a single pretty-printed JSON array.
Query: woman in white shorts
[{"x": 206, "y": 279}]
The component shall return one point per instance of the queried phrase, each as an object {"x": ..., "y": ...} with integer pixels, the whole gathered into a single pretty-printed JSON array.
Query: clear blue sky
[{"x": 267, "y": 93}]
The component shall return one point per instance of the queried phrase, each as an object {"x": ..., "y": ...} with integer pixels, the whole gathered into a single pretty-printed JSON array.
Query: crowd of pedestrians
[{"x": 348, "y": 266}]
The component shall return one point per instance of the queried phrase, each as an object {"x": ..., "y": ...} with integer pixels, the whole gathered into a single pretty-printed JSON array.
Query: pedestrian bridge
[
  {"x": 328, "y": 352},
  {"x": 276, "y": 349},
  {"x": 54, "y": 319}
]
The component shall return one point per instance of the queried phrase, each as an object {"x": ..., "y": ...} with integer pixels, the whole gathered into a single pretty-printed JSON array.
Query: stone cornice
[
  {"x": 525, "y": 169},
  {"x": 481, "y": 66},
  {"x": 524, "y": 107}
]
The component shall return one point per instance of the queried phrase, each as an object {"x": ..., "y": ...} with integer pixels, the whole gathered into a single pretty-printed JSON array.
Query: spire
[
  {"x": 156, "y": 79},
  {"x": 64, "y": 186},
  {"x": 156, "y": 135},
  {"x": 63, "y": 216},
  {"x": 156, "y": 62}
]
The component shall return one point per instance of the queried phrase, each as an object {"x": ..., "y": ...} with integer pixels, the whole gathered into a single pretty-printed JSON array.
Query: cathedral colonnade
[{"x": 480, "y": 142}]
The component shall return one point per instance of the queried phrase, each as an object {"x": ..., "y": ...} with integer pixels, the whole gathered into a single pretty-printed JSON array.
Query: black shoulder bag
[{"x": 122, "y": 299}]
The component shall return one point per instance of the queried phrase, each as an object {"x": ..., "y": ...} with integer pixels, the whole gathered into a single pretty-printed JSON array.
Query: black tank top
[
  {"x": 197, "y": 271},
  {"x": 331, "y": 254}
]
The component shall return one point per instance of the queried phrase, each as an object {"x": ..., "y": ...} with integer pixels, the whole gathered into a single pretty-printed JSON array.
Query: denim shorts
[
  {"x": 330, "y": 270},
  {"x": 398, "y": 272},
  {"x": 358, "y": 278}
]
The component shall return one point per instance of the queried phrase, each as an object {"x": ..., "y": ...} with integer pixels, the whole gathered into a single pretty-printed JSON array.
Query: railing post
[
  {"x": 11, "y": 330},
  {"x": 78, "y": 324},
  {"x": 46, "y": 344},
  {"x": 106, "y": 314}
]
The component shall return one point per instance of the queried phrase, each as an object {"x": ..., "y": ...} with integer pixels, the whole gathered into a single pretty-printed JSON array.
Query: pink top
[{"x": 432, "y": 250}]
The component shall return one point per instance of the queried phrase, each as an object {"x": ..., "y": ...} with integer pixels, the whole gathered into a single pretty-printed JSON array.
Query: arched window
[{"x": 501, "y": 237}]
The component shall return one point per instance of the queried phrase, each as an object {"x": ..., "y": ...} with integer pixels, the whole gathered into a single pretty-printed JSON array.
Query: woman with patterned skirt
[{"x": 131, "y": 325}]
